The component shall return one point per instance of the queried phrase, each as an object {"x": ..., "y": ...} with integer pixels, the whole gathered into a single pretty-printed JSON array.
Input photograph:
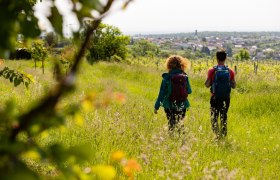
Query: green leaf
[
  {"x": 92, "y": 4},
  {"x": 17, "y": 82},
  {"x": 8, "y": 75},
  {"x": 19, "y": 171},
  {"x": 76, "y": 37},
  {"x": 81, "y": 151},
  {"x": 29, "y": 28},
  {"x": 56, "y": 20},
  {"x": 85, "y": 12},
  {"x": 26, "y": 84},
  {"x": 12, "y": 78}
]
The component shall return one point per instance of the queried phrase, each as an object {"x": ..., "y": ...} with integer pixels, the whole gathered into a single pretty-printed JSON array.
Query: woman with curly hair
[{"x": 174, "y": 90}]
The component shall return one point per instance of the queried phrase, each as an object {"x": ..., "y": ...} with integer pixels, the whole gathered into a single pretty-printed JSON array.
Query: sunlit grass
[{"x": 251, "y": 149}]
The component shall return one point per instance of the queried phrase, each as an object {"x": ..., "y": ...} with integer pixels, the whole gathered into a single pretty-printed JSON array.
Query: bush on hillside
[{"x": 106, "y": 42}]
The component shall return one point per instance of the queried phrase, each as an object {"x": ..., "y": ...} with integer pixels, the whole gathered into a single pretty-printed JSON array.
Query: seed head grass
[{"x": 127, "y": 124}]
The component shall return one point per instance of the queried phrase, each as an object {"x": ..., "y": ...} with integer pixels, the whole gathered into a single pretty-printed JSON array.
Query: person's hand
[{"x": 155, "y": 111}]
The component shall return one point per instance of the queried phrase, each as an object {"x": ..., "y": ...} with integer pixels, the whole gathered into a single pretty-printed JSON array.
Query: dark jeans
[
  {"x": 219, "y": 107},
  {"x": 174, "y": 117}
]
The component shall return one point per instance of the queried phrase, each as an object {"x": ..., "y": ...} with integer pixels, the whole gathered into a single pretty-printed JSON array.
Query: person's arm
[
  {"x": 189, "y": 89},
  {"x": 232, "y": 81},
  {"x": 160, "y": 96},
  {"x": 208, "y": 81},
  {"x": 233, "y": 84}
]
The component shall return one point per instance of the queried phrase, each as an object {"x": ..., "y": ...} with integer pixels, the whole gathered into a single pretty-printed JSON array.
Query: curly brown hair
[{"x": 176, "y": 62}]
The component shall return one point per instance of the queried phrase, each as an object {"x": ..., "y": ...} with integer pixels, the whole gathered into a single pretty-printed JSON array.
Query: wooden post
[
  {"x": 235, "y": 69},
  {"x": 157, "y": 63},
  {"x": 43, "y": 65},
  {"x": 256, "y": 65}
]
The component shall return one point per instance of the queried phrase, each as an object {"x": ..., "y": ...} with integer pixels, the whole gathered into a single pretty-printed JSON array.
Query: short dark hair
[{"x": 221, "y": 55}]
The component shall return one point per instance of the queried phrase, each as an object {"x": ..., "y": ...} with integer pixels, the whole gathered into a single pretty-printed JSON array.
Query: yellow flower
[
  {"x": 32, "y": 154},
  {"x": 45, "y": 134},
  {"x": 117, "y": 156},
  {"x": 104, "y": 172},
  {"x": 79, "y": 120},
  {"x": 87, "y": 105},
  {"x": 87, "y": 102}
]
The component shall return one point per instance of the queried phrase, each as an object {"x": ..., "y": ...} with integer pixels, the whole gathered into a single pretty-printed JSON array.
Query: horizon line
[{"x": 182, "y": 32}]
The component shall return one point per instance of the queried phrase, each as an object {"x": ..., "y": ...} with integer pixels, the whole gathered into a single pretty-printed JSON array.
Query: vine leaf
[
  {"x": 17, "y": 82},
  {"x": 56, "y": 20}
]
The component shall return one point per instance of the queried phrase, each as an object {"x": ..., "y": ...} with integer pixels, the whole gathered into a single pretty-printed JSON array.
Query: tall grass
[{"x": 251, "y": 149}]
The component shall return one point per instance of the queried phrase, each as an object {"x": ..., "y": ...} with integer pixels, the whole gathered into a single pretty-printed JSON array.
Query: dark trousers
[
  {"x": 219, "y": 106},
  {"x": 174, "y": 117}
]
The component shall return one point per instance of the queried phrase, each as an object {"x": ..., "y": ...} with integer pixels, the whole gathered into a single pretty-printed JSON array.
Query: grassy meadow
[{"x": 251, "y": 149}]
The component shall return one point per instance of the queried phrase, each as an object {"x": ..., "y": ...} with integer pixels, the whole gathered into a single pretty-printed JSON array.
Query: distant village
[{"x": 260, "y": 45}]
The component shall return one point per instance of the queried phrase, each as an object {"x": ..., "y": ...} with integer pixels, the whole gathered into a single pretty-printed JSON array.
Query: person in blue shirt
[{"x": 174, "y": 89}]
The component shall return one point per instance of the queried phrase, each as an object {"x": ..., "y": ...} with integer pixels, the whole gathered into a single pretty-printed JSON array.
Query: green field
[{"x": 251, "y": 149}]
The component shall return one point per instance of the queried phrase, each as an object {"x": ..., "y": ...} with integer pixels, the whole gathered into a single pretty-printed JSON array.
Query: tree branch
[{"x": 48, "y": 103}]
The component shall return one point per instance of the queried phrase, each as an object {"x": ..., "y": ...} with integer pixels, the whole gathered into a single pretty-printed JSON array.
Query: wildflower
[
  {"x": 104, "y": 172},
  {"x": 131, "y": 167},
  {"x": 45, "y": 134},
  {"x": 144, "y": 158},
  {"x": 87, "y": 170},
  {"x": 120, "y": 98},
  {"x": 117, "y": 156},
  {"x": 1, "y": 62},
  {"x": 216, "y": 163},
  {"x": 79, "y": 120},
  {"x": 32, "y": 154},
  {"x": 87, "y": 105},
  {"x": 87, "y": 102}
]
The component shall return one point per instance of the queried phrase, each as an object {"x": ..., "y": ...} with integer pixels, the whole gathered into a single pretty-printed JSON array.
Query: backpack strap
[{"x": 165, "y": 75}]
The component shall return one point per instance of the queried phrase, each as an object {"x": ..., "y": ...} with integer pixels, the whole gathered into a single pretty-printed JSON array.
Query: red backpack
[{"x": 179, "y": 91}]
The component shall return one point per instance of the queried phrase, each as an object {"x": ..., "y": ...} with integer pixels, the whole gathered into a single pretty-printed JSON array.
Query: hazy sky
[
  {"x": 166, "y": 16},
  {"x": 161, "y": 16}
]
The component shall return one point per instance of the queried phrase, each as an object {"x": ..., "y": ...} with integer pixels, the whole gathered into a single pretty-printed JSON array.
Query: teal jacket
[{"x": 165, "y": 91}]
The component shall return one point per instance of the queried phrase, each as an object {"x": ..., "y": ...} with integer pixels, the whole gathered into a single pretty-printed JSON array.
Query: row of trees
[
  {"x": 243, "y": 54},
  {"x": 108, "y": 43}
]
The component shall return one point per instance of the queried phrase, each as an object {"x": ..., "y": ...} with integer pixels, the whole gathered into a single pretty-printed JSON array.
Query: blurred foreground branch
[{"x": 48, "y": 103}]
